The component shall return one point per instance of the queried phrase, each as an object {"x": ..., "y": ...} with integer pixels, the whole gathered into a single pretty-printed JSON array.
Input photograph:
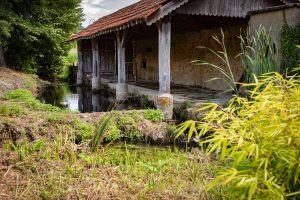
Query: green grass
[
  {"x": 26, "y": 97},
  {"x": 52, "y": 170}
]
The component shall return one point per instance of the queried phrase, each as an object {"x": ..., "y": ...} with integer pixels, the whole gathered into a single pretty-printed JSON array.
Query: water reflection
[{"x": 77, "y": 98}]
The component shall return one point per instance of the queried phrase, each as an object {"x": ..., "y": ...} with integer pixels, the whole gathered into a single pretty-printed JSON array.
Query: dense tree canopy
[{"x": 33, "y": 33}]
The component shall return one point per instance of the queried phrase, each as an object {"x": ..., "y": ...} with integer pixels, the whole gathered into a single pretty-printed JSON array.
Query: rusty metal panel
[{"x": 226, "y": 8}]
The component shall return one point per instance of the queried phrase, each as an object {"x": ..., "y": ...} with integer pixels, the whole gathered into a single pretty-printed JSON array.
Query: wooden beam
[
  {"x": 164, "y": 31},
  {"x": 165, "y": 10}
]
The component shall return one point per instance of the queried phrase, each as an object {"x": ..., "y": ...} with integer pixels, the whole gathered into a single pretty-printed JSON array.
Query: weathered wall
[
  {"x": 274, "y": 19},
  {"x": 183, "y": 51}
]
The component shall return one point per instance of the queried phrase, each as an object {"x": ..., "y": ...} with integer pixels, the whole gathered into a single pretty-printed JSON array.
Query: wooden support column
[
  {"x": 165, "y": 99},
  {"x": 164, "y": 38},
  {"x": 80, "y": 63},
  {"x": 122, "y": 88},
  {"x": 96, "y": 68}
]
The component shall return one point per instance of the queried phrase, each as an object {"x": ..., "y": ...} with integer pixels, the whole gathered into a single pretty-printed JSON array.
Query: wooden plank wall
[{"x": 107, "y": 56}]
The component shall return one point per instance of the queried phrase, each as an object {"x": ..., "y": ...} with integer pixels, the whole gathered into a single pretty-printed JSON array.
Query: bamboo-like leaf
[
  {"x": 192, "y": 130},
  {"x": 100, "y": 133}
]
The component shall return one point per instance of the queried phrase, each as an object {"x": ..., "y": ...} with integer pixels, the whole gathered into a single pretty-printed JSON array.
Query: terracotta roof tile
[{"x": 128, "y": 16}]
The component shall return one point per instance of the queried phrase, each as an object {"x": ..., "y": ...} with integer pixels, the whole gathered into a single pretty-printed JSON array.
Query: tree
[{"x": 33, "y": 33}]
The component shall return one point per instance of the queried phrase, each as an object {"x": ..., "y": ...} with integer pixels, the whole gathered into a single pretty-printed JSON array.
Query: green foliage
[
  {"x": 11, "y": 110},
  {"x": 154, "y": 115},
  {"x": 289, "y": 39},
  {"x": 259, "y": 53},
  {"x": 128, "y": 124},
  {"x": 71, "y": 59},
  {"x": 145, "y": 102},
  {"x": 35, "y": 33},
  {"x": 84, "y": 132},
  {"x": 258, "y": 137},
  {"x": 29, "y": 100},
  {"x": 171, "y": 130},
  {"x": 181, "y": 111},
  {"x": 113, "y": 132},
  {"x": 65, "y": 70},
  {"x": 227, "y": 74}
]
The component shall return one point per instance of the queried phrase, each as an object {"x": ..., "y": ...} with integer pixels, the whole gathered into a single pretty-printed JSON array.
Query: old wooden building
[{"x": 154, "y": 41}]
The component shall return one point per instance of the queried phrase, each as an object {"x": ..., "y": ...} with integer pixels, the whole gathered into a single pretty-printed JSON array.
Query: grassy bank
[{"x": 45, "y": 153}]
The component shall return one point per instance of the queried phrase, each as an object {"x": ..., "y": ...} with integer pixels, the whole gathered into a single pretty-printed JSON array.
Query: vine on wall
[{"x": 290, "y": 38}]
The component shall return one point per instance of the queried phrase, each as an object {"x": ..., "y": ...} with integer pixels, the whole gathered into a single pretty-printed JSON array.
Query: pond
[{"x": 76, "y": 98}]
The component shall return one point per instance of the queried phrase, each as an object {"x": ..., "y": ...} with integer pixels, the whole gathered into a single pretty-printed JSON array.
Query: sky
[{"x": 94, "y": 9}]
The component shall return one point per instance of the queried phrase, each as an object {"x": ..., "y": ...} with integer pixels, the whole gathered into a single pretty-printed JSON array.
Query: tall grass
[
  {"x": 227, "y": 73},
  {"x": 259, "y": 53}
]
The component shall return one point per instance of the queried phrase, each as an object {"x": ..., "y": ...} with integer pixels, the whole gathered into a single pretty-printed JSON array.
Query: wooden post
[
  {"x": 121, "y": 88},
  {"x": 121, "y": 57},
  {"x": 2, "y": 57},
  {"x": 96, "y": 73},
  {"x": 165, "y": 99},
  {"x": 164, "y": 38},
  {"x": 80, "y": 64}
]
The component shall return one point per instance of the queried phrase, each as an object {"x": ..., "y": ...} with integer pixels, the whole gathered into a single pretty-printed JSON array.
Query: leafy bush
[
  {"x": 29, "y": 100},
  {"x": 259, "y": 138},
  {"x": 154, "y": 115}
]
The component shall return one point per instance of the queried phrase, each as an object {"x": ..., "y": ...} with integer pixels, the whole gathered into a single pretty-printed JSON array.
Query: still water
[{"x": 77, "y": 98}]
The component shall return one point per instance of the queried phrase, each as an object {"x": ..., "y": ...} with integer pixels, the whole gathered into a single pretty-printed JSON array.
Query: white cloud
[{"x": 94, "y": 9}]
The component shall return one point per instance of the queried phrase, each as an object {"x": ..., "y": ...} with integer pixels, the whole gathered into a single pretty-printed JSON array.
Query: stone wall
[
  {"x": 274, "y": 19},
  {"x": 183, "y": 51}
]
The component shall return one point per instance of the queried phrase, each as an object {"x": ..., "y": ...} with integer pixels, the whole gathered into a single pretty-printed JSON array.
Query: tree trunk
[{"x": 2, "y": 58}]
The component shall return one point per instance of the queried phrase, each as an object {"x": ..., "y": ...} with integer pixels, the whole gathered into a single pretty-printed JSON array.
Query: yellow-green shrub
[{"x": 259, "y": 139}]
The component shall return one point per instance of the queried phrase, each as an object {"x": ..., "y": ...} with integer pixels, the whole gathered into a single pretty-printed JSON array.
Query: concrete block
[
  {"x": 96, "y": 83},
  {"x": 165, "y": 103},
  {"x": 121, "y": 92}
]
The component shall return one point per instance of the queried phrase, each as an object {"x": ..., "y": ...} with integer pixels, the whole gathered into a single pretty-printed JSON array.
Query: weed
[
  {"x": 154, "y": 115},
  {"x": 83, "y": 131},
  {"x": 227, "y": 74},
  {"x": 11, "y": 110},
  {"x": 145, "y": 103},
  {"x": 171, "y": 130},
  {"x": 24, "y": 148},
  {"x": 113, "y": 132}
]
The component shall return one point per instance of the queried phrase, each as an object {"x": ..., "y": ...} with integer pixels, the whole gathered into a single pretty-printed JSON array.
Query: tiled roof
[{"x": 129, "y": 16}]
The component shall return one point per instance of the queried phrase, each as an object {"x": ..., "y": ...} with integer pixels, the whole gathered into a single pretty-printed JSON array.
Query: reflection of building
[{"x": 90, "y": 102}]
